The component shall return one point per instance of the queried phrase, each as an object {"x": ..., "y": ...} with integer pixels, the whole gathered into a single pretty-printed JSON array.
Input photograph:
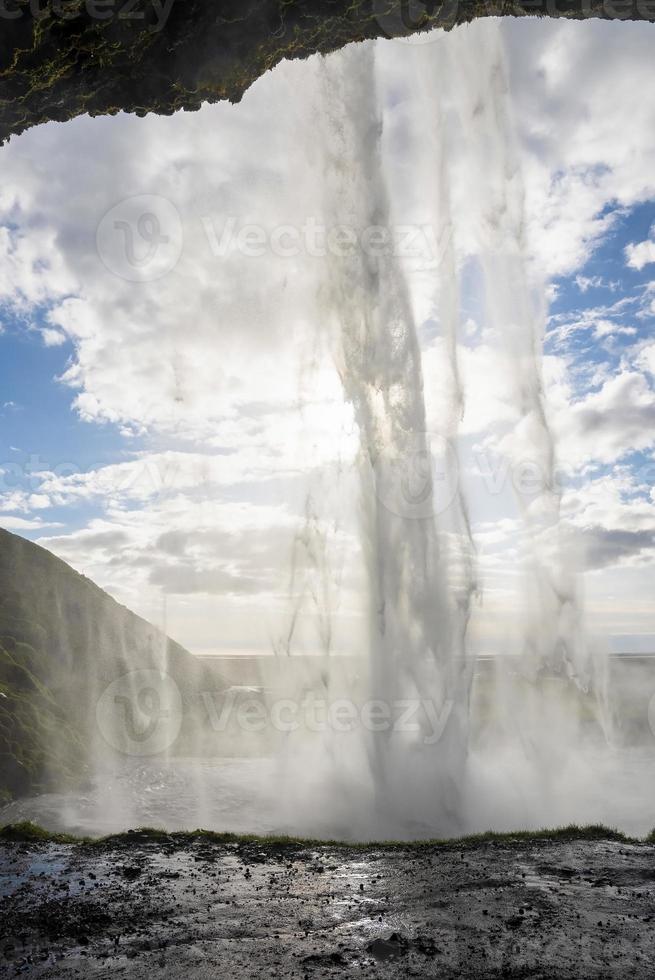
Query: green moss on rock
[{"x": 176, "y": 54}]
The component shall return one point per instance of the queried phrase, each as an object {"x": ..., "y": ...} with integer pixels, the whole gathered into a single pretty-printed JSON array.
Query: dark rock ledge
[{"x": 62, "y": 58}]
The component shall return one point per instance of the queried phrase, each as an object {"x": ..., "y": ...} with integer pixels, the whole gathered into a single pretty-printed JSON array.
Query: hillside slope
[{"x": 62, "y": 641}]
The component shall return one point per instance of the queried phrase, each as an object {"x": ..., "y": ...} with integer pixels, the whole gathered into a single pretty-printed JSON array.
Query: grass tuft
[{"x": 27, "y": 832}]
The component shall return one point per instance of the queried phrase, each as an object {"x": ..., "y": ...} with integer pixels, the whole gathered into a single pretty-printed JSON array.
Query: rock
[
  {"x": 143, "y": 56},
  {"x": 388, "y": 949}
]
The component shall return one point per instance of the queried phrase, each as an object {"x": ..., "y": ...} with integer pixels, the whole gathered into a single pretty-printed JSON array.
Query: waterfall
[
  {"x": 391, "y": 722},
  {"x": 417, "y": 634},
  {"x": 420, "y": 559},
  {"x": 515, "y": 304}
]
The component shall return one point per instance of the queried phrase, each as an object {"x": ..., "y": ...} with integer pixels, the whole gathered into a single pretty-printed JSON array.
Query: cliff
[
  {"x": 62, "y": 58},
  {"x": 62, "y": 642}
]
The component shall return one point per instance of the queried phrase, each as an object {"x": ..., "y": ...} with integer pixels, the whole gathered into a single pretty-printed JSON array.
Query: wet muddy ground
[{"x": 194, "y": 908}]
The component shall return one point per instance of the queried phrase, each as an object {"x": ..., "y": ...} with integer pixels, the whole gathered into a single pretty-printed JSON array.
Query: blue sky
[
  {"x": 180, "y": 423},
  {"x": 40, "y": 430},
  {"x": 38, "y": 418}
]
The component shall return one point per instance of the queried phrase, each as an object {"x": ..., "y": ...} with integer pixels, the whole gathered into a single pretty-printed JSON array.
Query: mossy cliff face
[{"x": 61, "y": 58}]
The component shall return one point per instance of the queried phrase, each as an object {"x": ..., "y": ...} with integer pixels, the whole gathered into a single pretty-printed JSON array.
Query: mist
[{"x": 347, "y": 467}]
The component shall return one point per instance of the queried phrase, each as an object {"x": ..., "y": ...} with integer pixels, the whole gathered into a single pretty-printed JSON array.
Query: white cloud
[
  {"x": 601, "y": 321},
  {"x": 222, "y": 569},
  {"x": 52, "y": 338},
  {"x": 222, "y": 335},
  {"x": 640, "y": 254},
  {"x": 24, "y": 524},
  {"x": 607, "y": 328},
  {"x": 585, "y": 283},
  {"x": 222, "y": 367},
  {"x": 571, "y": 83},
  {"x": 33, "y": 270},
  {"x": 646, "y": 359},
  {"x": 606, "y": 424}
]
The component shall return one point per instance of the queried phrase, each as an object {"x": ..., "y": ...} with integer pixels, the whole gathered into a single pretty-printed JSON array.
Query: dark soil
[{"x": 195, "y": 907}]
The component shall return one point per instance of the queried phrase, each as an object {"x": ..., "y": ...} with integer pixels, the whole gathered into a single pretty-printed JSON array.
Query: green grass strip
[{"x": 27, "y": 832}]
